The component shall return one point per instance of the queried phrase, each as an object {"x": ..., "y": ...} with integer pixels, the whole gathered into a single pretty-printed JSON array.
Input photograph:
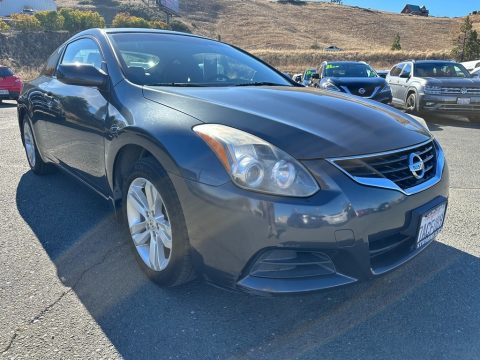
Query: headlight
[
  {"x": 256, "y": 165},
  {"x": 386, "y": 88},
  {"x": 330, "y": 86},
  {"x": 433, "y": 90}
]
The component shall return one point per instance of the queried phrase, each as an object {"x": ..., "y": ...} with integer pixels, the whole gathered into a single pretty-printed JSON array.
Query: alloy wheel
[
  {"x": 149, "y": 224},
  {"x": 29, "y": 143}
]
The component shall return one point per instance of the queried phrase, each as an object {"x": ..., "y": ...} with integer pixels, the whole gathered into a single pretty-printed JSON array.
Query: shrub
[
  {"x": 176, "y": 25},
  {"x": 128, "y": 21},
  {"x": 158, "y": 24},
  {"x": 4, "y": 26},
  {"x": 50, "y": 20},
  {"x": 141, "y": 11},
  {"x": 25, "y": 22},
  {"x": 78, "y": 20},
  {"x": 396, "y": 45}
]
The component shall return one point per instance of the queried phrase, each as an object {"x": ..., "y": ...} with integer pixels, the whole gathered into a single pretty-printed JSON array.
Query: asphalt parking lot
[{"x": 70, "y": 288}]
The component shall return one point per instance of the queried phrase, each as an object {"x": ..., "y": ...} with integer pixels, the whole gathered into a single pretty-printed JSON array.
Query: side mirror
[
  {"x": 316, "y": 76},
  {"x": 81, "y": 75},
  {"x": 405, "y": 76}
]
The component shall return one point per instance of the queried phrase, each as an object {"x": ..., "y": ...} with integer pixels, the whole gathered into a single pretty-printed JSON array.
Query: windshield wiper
[{"x": 261, "y": 83}]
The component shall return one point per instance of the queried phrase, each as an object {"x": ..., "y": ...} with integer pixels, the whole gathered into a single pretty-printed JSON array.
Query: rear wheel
[
  {"x": 156, "y": 223},
  {"x": 36, "y": 163}
]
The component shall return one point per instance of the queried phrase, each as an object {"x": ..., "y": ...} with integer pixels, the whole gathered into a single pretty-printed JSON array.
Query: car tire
[
  {"x": 167, "y": 267},
  {"x": 38, "y": 166},
  {"x": 411, "y": 105}
]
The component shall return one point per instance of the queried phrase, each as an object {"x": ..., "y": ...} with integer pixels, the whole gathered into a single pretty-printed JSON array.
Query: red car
[{"x": 10, "y": 85}]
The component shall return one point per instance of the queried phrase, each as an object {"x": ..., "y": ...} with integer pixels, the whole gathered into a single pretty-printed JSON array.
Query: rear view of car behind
[{"x": 10, "y": 85}]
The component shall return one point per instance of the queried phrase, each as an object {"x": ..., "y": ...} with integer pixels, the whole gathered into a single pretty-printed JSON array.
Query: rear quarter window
[{"x": 52, "y": 62}]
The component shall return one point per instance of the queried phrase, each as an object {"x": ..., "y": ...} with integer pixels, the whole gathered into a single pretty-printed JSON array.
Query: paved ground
[{"x": 69, "y": 286}]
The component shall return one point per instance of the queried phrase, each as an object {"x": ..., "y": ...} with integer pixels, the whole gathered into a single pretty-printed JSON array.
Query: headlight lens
[
  {"x": 433, "y": 90},
  {"x": 256, "y": 165},
  {"x": 330, "y": 86}
]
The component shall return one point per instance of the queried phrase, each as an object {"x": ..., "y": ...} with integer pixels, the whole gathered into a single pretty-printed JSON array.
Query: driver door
[{"x": 77, "y": 130}]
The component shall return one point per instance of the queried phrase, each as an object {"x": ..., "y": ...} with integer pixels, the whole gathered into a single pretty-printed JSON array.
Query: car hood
[
  {"x": 360, "y": 81},
  {"x": 306, "y": 123},
  {"x": 454, "y": 82}
]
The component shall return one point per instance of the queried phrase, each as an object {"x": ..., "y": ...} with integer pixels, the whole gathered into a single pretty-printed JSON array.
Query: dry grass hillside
[{"x": 292, "y": 37}]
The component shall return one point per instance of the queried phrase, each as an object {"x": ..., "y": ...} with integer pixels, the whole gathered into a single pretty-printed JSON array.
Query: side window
[
  {"x": 458, "y": 71},
  {"x": 407, "y": 70},
  {"x": 396, "y": 70},
  {"x": 83, "y": 51},
  {"x": 52, "y": 62}
]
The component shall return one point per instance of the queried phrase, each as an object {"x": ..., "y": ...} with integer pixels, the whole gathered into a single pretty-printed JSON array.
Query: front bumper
[
  {"x": 232, "y": 231},
  {"x": 449, "y": 104}
]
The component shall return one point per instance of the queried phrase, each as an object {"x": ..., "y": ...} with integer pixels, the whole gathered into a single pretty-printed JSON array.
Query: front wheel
[
  {"x": 411, "y": 104},
  {"x": 156, "y": 223}
]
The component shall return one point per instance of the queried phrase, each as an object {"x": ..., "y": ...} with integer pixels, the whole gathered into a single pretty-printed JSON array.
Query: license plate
[
  {"x": 431, "y": 225},
  {"x": 463, "y": 101},
  {"x": 4, "y": 92}
]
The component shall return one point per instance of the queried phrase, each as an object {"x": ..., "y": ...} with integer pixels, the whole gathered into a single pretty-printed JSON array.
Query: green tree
[
  {"x": 25, "y": 22},
  {"x": 128, "y": 21},
  {"x": 78, "y": 20},
  {"x": 396, "y": 43},
  {"x": 50, "y": 20},
  {"x": 467, "y": 43}
]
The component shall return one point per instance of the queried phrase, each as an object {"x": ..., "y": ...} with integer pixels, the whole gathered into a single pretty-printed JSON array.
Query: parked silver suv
[{"x": 435, "y": 86}]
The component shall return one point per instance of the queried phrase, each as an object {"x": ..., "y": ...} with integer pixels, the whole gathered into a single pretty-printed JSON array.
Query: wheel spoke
[
  {"x": 166, "y": 238},
  {"x": 151, "y": 194},
  {"x": 156, "y": 255},
  {"x": 141, "y": 238},
  {"x": 139, "y": 201}
]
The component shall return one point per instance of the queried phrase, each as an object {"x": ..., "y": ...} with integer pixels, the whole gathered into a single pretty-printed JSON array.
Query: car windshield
[
  {"x": 308, "y": 74},
  {"x": 175, "y": 60},
  {"x": 349, "y": 70},
  {"x": 441, "y": 70},
  {"x": 4, "y": 72}
]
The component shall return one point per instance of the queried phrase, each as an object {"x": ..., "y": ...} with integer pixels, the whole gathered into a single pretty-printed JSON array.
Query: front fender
[{"x": 180, "y": 152}]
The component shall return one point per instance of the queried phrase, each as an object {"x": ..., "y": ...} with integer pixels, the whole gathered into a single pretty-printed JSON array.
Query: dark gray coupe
[{"x": 224, "y": 167}]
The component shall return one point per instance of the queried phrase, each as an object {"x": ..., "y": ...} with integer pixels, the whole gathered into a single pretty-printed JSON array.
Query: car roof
[{"x": 96, "y": 31}]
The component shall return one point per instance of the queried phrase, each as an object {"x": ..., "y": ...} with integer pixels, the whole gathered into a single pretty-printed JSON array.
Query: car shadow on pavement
[
  {"x": 6, "y": 105},
  {"x": 437, "y": 122},
  {"x": 429, "y": 308}
]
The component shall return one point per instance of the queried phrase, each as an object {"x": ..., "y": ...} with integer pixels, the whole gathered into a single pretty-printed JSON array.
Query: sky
[{"x": 449, "y": 8}]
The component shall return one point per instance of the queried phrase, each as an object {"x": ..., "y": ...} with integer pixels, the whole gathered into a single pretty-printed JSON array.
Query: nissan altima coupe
[{"x": 221, "y": 166}]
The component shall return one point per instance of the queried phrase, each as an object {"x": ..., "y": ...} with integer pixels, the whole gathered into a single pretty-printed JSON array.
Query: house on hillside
[
  {"x": 415, "y": 10},
  {"x": 9, "y": 7}
]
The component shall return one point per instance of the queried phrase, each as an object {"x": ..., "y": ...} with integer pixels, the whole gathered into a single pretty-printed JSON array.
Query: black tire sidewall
[{"x": 151, "y": 170}]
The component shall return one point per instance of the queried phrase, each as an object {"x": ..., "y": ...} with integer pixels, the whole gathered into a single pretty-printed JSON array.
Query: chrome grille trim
[
  {"x": 378, "y": 180},
  {"x": 458, "y": 91}
]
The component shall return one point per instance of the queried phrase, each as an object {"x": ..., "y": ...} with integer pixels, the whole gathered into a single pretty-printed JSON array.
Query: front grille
[
  {"x": 459, "y": 91},
  {"x": 393, "y": 166},
  {"x": 355, "y": 90}
]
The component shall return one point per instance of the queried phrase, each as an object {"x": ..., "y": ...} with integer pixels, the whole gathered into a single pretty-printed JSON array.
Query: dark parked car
[
  {"x": 223, "y": 167},
  {"x": 10, "y": 84},
  {"x": 427, "y": 86},
  {"x": 356, "y": 78}
]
